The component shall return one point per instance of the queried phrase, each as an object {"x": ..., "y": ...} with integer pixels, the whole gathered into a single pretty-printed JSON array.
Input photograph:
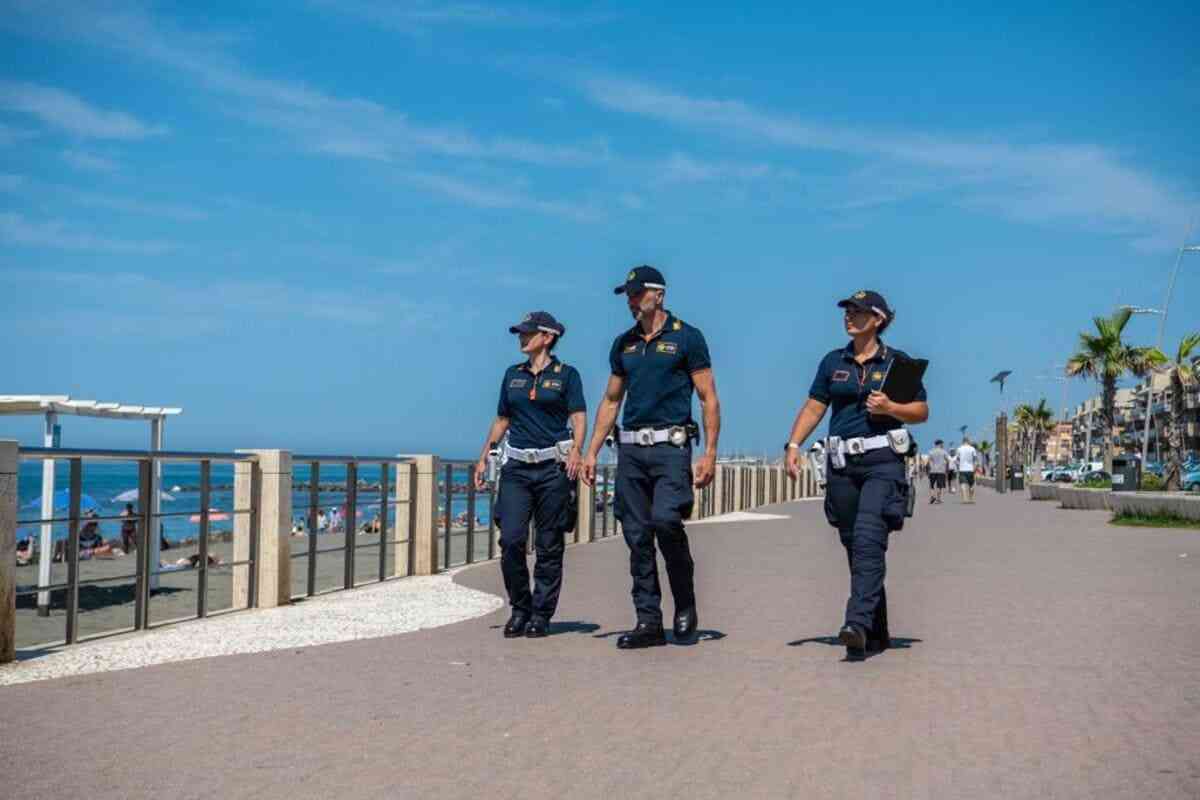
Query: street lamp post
[{"x": 1162, "y": 329}]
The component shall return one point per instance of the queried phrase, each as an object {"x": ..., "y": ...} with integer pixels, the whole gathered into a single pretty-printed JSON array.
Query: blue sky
[{"x": 311, "y": 224}]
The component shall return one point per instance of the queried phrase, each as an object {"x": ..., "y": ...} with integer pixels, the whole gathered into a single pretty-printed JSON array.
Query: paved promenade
[{"x": 1042, "y": 654}]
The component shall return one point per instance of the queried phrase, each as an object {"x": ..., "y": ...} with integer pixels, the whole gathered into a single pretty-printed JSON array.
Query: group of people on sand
[{"x": 92, "y": 543}]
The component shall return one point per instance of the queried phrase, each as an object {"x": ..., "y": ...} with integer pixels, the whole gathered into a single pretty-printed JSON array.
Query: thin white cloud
[
  {"x": 1080, "y": 183},
  {"x": 350, "y": 127},
  {"x": 188, "y": 305},
  {"x": 65, "y": 111},
  {"x": 418, "y": 17},
  {"x": 682, "y": 168},
  {"x": 18, "y": 230},
  {"x": 90, "y": 199},
  {"x": 90, "y": 161},
  {"x": 489, "y": 197}
]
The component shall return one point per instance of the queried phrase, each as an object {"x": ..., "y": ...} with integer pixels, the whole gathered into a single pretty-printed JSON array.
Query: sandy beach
[{"x": 108, "y": 607}]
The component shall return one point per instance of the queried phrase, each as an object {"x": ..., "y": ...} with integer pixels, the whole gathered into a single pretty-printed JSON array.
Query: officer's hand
[
  {"x": 574, "y": 462},
  {"x": 878, "y": 403},
  {"x": 481, "y": 475},
  {"x": 704, "y": 470},
  {"x": 588, "y": 470},
  {"x": 793, "y": 463}
]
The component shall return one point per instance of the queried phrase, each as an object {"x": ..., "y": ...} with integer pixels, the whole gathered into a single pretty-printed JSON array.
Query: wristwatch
[{"x": 792, "y": 446}]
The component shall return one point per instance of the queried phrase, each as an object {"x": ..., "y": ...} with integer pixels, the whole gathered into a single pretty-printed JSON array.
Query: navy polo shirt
[
  {"x": 658, "y": 373},
  {"x": 539, "y": 406},
  {"x": 844, "y": 384}
]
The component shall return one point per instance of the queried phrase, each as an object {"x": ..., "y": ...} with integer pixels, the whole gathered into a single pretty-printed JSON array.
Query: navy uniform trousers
[
  {"x": 540, "y": 492},
  {"x": 865, "y": 501},
  {"x": 653, "y": 498}
]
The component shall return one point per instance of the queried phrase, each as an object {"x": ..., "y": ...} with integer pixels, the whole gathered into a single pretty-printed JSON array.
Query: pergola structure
[{"x": 49, "y": 407}]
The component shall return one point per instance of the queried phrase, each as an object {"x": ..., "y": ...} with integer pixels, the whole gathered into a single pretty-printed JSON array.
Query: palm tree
[
  {"x": 985, "y": 450},
  {"x": 1184, "y": 372},
  {"x": 1105, "y": 358},
  {"x": 1041, "y": 422},
  {"x": 1023, "y": 416}
]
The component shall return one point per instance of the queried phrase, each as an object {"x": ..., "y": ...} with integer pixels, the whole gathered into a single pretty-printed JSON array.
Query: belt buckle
[
  {"x": 645, "y": 436},
  {"x": 856, "y": 446},
  {"x": 677, "y": 435}
]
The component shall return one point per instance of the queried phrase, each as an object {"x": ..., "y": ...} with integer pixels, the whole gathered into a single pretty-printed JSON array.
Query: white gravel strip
[{"x": 367, "y": 612}]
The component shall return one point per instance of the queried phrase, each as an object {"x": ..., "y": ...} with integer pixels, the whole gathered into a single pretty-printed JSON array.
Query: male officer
[
  {"x": 655, "y": 365},
  {"x": 539, "y": 397}
]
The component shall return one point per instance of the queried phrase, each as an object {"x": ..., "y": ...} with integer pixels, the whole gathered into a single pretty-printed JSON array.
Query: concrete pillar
[
  {"x": 754, "y": 482},
  {"x": 8, "y": 550},
  {"x": 274, "y": 502},
  {"x": 425, "y": 538},
  {"x": 583, "y": 522}
]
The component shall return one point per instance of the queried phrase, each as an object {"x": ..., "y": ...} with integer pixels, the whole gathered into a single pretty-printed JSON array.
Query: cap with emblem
[
  {"x": 539, "y": 321},
  {"x": 639, "y": 278},
  {"x": 869, "y": 300}
]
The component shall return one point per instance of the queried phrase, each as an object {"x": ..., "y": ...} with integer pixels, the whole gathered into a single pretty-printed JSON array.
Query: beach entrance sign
[{"x": 50, "y": 406}]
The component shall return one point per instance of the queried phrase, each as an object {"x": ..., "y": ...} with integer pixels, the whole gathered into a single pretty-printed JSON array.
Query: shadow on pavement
[
  {"x": 697, "y": 637},
  {"x": 897, "y": 643}
]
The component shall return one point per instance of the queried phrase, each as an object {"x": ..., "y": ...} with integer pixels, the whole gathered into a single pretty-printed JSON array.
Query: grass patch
[
  {"x": 1095, "y": 483},
  {"x": 1155, "y": 521}
]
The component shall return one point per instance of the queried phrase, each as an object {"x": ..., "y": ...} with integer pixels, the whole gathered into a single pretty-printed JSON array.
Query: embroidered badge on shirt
[
  {"x": 876, "y": 376},
  {"x": 670, "y": 348},
  {"x": 517, "y": 383},
  {"x": 555, "y": 384},
  {"x": 631, "y": 348},
  {"x": 841, "y": 375}
]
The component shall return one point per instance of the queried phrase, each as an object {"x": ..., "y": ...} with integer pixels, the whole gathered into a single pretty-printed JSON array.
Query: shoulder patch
[
  {"x": 678, "y": 326},
  {"x": 558, "y": 367}
]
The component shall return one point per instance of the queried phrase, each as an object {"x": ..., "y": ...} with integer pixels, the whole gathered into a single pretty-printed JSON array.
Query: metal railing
[
  {"x": 350, "y": 491},
  {"x": 146, "y": 573}
]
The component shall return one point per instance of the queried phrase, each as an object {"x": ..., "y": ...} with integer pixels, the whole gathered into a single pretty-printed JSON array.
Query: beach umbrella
[
  {"x": 62, "y": 499},
  {"x": 131, "y": 496},
  {"x": 213, "y": 516}
]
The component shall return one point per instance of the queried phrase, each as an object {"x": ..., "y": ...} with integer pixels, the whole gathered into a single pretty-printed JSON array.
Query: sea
[{"x": 103, "y": 481}]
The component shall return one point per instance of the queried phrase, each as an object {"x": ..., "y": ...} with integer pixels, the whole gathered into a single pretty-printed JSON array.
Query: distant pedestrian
[
  {"x": 951, "y": 471},
  {"x": 968, "y": 458},
  {"x": 939, "y": 463},
  {"x": 128, "y": 529}
]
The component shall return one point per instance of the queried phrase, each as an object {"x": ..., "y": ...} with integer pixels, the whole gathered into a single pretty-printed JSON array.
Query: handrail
[{"x": 34, "y": 453}]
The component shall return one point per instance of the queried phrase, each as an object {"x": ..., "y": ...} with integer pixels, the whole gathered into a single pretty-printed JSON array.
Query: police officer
[
  {"x": 539, "y": 397},
  {"x": 866, "y": 491},
  {"x": 655, "y": 366}
]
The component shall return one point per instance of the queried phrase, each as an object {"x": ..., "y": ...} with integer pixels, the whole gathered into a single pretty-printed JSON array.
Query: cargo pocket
[
  {"x": 895, "y": 508},
  {"x": 830, "y": 510}
]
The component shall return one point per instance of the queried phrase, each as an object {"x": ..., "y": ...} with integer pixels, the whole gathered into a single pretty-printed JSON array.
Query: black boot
[
  {"x": 646, "y": 634},
  {"x": 685, "y": 623},
  {"x": 537, "y": 628},
  {"x": 516, "y": 625},
  {"x": 855, "y": 641}
]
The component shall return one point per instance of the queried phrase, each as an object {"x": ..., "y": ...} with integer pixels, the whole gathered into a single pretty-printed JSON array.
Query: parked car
[
  {"x": 1096, "y": 475},
  {"x": 1191, "y": 481}
]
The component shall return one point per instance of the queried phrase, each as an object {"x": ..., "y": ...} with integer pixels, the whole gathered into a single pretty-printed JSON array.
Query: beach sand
[{"x": 107, "y": 607}]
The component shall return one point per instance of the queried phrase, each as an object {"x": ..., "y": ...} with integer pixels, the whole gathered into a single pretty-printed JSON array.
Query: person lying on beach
[{"x": 190, "y": 562}]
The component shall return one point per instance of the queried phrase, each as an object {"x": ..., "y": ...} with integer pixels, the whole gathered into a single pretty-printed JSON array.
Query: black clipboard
[{"x": 903, "y": 379}]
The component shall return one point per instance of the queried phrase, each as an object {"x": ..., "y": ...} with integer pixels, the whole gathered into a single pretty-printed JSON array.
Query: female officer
[
  {"x": 538, "y": 397},
  {"x": 866, "y": 490}
]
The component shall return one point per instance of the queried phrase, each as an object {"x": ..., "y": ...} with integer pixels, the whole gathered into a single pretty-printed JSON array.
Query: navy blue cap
[
  {"x": 639, "y": 278},
  {"x": 870, "y": 300},
  {"x": 539, "y": 321}
]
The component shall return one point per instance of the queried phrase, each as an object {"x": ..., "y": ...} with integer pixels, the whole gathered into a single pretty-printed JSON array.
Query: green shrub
[
  {"x": 1155, "y": 521},
  {"x": 1152, "y": 483},
  {"x": 1095, "y": 483}
]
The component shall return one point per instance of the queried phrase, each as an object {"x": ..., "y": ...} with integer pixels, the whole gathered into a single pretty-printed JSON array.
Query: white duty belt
[
  {"x": 857, "y": 445},
  {"x": 534, "y": 455},
  {"x": 646, "y": 437}
]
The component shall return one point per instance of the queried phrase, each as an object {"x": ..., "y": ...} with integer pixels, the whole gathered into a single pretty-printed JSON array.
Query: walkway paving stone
[{"x": 1043, "y": 654}]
